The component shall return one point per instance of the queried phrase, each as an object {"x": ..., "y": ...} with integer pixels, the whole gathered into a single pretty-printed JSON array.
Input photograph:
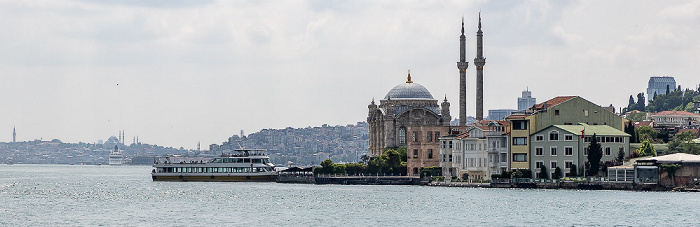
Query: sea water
[{"x": 77, "y": 195}]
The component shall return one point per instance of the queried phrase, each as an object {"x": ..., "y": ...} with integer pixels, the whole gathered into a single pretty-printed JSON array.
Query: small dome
[{"x": 409, "y": 91}]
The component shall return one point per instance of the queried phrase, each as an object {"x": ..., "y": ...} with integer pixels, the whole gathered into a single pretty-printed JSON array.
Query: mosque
[{"x": 410, "y": 105}]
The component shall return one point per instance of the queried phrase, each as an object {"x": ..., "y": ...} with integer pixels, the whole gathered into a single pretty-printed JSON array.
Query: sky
[{"x": 175, "y": 73}]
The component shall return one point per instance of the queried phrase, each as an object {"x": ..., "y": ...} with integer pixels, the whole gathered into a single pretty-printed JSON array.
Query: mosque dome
[{"x": 409, "y": 90}]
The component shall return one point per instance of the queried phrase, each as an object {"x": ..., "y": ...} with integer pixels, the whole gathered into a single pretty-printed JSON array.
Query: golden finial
[{"x": 409, "y": 77}]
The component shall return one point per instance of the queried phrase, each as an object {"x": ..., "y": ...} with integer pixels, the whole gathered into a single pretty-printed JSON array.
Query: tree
[
  {"x": 641, "y": 101},
  {"x": 636, "y": 116},
  {"x": 595, "y": 153},
  {"x": 631, "y": 104},
  {"x": 646, "y": 133},
  {"x": 573, "y": 171},
  {"x": 543, "y": 172},
  {"x": 671, "y": 170},
  {"x": 327, "y": 166},
  {"x": 557, "y": 173},
  {"x": 621, "y": 155},
  {"x": 646, "y": 149}
]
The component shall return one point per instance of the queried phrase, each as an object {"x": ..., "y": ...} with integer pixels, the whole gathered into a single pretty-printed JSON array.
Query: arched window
[
  {"x": 553, "y": 135},
  {"x": 402, "y": 135}
]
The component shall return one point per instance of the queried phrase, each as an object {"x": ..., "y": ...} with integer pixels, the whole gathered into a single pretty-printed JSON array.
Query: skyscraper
[
  {"x": 462, "y": 66},
  {"x": 526, "y": 101},
  {"x": 479, "y": 62}
]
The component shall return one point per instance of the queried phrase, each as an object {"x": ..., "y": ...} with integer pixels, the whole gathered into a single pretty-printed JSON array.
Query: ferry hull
[{"x": 265, "y": 178}]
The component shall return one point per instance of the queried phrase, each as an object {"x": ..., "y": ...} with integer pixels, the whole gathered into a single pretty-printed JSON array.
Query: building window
[
  {"x": 568, "y": 164},
  {"x": 450, "y": 145},
  {"x": 519, "y": 125},
  {"x": 553, "y": 164},
  {"x": 607, "y": 151},
  {"x": 553, "y": 136},
  {"x": 415, "y": 170},
  {"x": 520, "y": 157},
  {"x": 437, "y": 135},
  {"x": 568, "y": 151},
  {"x": 539, "y": 164},
  {"x": 556, "y": 112},
  {"x": 519, "y": 141},
  {"x": 415, "y": 153},
  {"x": 568, "y": 137},
  {"x": 585, "y": 113},
  {"x": 430, "y": 136},
  {"x": 539, "y": 151},
  {"x": 539, "y": 137},
  {"x": 430, "y": 153},
  {"x": 414, "y": 136},
  {"x": 553, "y": 151},
  {"x": 402, "y": 135}
]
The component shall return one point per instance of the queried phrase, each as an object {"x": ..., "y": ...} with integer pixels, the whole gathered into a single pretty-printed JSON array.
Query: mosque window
[{"x": 402, "y": 135}]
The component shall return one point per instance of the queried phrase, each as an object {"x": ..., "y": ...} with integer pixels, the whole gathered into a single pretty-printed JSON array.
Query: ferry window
[
  {"x": 257, "y": 160},
  {"x": 246, "y": 160}
]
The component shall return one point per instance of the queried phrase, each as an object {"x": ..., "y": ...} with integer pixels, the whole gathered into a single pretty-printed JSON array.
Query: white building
[{"x": 478, "y": 153}]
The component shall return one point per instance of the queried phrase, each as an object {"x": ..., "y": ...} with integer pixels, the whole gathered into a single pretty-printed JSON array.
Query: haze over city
[{"x": 175, "y": 73}]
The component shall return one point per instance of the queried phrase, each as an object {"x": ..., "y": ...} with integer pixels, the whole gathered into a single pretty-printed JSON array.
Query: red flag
[{"x": 583, "y": 132}]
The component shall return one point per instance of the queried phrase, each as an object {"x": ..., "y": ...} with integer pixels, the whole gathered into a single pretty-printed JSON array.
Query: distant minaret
[
  {"x": 119, "y": 139},
  {"x": 197, "y": 145},
  {"x": 14, "y": 135},
  {"x": 462, "y": 66},
  {"x": 479, "y": 62}
]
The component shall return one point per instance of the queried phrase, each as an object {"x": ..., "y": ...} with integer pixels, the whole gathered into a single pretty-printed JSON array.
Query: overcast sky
[{"x": 178, "y": 72}]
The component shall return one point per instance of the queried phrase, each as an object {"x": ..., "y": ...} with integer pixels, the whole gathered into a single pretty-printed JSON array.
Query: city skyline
[{"x": 175, "y": 73}]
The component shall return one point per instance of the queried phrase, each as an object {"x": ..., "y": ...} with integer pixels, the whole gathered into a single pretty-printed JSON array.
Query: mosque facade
[{"x": 406, "y": 105}]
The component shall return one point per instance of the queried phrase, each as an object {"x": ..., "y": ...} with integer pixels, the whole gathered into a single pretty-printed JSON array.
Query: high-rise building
[
  {"x": 659, "y": 85},
  {"x": 462, "y": 66},
  {"x": 499, "y": 114},
  {"x": 526, "y": 101},
  {"x": 479, "y": 62}
]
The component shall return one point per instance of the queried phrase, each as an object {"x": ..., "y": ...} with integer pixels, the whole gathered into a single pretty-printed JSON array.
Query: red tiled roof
[
  {"x": 463, "y": 135},
  {"x": 675, "y": 113},
  {"x": 642, "y": 123},
  {"x": 553, "y": 102},
  {"x": 516, "y": 116},
  {"x": 504, "y": 122}
]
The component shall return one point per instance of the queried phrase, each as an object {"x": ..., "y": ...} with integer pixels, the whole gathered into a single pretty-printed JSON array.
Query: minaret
[
  {"x": 479, "y": 62},
  {"x": 14, "y": 135},
  {"x": 462, "y": 66}
]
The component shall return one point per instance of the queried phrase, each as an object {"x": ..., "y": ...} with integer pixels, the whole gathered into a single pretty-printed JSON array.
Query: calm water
[{"x": 53, "y": 195}]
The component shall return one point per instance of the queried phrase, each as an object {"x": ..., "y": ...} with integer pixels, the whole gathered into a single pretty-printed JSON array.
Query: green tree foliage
[
  {"x": 641, "y": 102},
  {"x": 646, "y": 149},
  {"x": 636, "y": 116},
  {"x": 674, "y": 100},
  {"x": 543, "y": 172},
  {"x": 557, "y": 173},
  {"x": 573, "y": 170},
  {"x": 595, "y": 153},
  {"x": 403, "y": 154},
  {"x": 646, "y": 133},
  {"x": 683, "y": 143},
  {"x": 621, "y": 156},
  {"x": 629, "y": 129}
]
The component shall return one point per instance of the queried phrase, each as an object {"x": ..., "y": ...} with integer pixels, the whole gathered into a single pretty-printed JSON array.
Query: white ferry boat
[
  {"x": 247, "y": 165},
  {"x": 116, "y": 157}
]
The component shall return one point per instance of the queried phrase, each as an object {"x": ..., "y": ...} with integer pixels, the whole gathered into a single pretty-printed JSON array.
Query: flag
[{"x": 583, "y": 133}]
